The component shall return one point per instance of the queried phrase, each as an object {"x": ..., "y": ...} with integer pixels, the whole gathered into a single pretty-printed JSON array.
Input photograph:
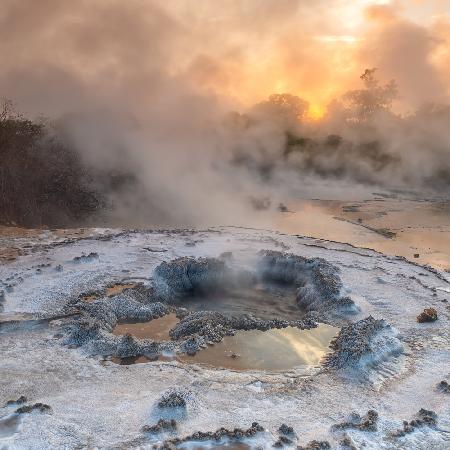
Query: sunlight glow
[{"x": 316, "y": 111}]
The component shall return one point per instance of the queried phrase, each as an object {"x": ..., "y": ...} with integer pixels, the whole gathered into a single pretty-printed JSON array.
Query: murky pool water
[
  {"x": 272, "y": 350},
  {"x": 156, "y": 329}
]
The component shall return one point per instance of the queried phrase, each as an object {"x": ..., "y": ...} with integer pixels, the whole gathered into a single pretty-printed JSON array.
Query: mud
[
  {"x": 41, "y": 407},
  {"x": 109, "y": 291},
  {"x": 315, "y": 445},
  {"x": 427, "y": 315},
  {"x": 173, "y": 399},
  {"x": 444, "y": 386},
  {"x": 130, "y": 360},
  {"x": 222, "y": 435},
  {"x": 140, "y": 324},
  {"x": 423, "y": 418},
  {"x": 162, "y": 425},
  {"x": 363, "y": 344},
  {"x": 366, "y": 423},
  {"x": 317, "y": 281}
]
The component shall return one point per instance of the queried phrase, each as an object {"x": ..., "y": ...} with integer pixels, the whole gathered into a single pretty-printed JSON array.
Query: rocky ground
[{"x": 382, "y": 385}]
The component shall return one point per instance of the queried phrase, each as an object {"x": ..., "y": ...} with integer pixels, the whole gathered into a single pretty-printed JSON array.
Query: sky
[
  {"x": 317, "y": 49},
  {"x": 238, "y": 51}
]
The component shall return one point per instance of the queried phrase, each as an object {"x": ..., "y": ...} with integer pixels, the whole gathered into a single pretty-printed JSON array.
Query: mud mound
[
  {"x": 363, "y": 344},
  {"x": 220, "y": 435},
  {"x": 317, "y": 280},
  {"x": 93, "y": 329},
  {"x": 184, "y": 276}
]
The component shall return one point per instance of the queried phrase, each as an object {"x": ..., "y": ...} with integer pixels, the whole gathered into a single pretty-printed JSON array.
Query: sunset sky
[
  {"x": 316, "y": 49},
  {"x": 237, "y": 51}
]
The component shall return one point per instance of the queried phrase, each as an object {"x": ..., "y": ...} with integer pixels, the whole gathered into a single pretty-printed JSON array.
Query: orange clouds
[{"x": 239, "y": 52}]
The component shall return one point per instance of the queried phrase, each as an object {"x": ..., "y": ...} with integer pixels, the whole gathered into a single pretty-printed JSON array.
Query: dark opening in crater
[{"x": 266, "y": 300}]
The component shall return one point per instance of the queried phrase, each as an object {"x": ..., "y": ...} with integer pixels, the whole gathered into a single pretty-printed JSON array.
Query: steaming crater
[{"x": 196, "y": 302}]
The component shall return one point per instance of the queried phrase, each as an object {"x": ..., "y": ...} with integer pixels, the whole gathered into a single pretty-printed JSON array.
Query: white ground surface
[{"x": 99, "y": 405}]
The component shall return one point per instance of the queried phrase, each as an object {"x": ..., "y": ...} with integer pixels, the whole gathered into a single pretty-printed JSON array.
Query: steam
[{"x": 147, "y": 88}]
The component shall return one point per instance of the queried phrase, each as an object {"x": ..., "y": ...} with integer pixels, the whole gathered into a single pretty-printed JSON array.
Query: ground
[{"x": 99, "y": 404}]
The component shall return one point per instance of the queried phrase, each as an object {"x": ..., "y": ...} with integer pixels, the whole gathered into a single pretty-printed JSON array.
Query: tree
[
  {"x": 362, "y": 104},
  {"x": 42, "y": 181},
  {"x": 285, "y": 106}
]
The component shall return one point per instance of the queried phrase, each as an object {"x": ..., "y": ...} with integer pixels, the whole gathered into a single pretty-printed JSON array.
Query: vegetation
[
  {"x": 363, "y": 104},
  {"x": 42, "y": 181}
]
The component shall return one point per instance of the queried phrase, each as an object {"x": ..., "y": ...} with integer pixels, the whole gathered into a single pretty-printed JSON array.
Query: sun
[{"x": 316, "y": 111}]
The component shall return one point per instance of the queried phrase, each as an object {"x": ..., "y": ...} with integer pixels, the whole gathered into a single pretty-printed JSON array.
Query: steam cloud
[{"x": 147, "y": 87}]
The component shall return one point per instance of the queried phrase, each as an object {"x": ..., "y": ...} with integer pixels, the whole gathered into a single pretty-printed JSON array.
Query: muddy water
[
  {"x": 265, "y": 300},
  {"x": 420, "y": 229},
  {"x": 156, "y": 329},
  {"x": 272, "y": 350}
]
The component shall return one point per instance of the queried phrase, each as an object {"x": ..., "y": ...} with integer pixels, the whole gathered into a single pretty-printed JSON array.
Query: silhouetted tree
[
  {"x": 363, "y": 104},
  {"x": 285, "y": 106},
  {"x": 42, "y": 181}
]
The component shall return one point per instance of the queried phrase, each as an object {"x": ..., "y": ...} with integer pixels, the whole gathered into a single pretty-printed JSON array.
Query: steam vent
[{"x": 224, "y": 338}]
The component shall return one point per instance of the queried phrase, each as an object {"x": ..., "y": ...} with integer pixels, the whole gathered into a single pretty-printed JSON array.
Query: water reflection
[
  {"x": 273, "y": 350},
  {"x": 421, "y": 228}
]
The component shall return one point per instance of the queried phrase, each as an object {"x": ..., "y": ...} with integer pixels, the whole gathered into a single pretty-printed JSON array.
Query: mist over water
[{"x": 177, "y": 98}]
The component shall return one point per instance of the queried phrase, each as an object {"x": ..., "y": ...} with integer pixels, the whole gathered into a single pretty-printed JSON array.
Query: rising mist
[{"x": 178, "y": 100}]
